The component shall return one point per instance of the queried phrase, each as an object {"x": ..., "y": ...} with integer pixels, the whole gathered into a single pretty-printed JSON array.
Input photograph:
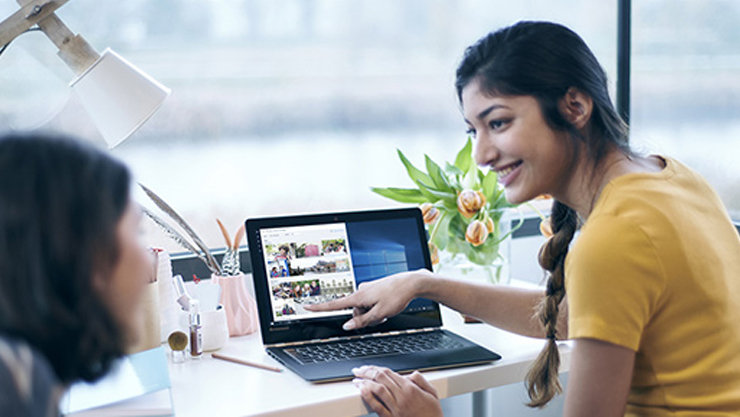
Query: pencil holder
[
  {"x": 215, "y": 329},
  {"x": 239, "y": 306}
]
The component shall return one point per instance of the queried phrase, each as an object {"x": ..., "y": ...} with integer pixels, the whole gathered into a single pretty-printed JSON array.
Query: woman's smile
[{"x": 507, "y": 173}]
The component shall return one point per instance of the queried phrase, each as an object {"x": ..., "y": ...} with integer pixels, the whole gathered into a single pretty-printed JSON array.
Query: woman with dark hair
[
  {"x": 653, "y": 280},
  {"x": 72, "y": 269}
]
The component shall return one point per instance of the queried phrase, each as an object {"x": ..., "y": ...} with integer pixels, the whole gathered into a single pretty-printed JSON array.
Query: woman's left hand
[{"x": 392, "y": 395}]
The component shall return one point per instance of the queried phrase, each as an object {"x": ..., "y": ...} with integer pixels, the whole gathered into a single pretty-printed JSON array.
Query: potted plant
[{"x": 464, "y": 210}]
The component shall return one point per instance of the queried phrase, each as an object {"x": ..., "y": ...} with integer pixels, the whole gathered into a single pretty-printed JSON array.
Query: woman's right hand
[
  {"x": 392, "y": 395},
  {"x": 376, "y": 301}
]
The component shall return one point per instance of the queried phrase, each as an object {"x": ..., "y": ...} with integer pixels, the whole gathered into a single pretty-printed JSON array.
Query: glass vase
[{"x": 457, "y": 265}]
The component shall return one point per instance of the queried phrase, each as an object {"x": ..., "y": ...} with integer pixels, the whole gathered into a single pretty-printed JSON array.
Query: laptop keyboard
[{"x": 373, "y": 347}]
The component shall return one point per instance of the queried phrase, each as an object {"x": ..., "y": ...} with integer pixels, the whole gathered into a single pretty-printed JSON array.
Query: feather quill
[
  {"x": 176, "y": 236},
  {"x": 211, "y": 262}
]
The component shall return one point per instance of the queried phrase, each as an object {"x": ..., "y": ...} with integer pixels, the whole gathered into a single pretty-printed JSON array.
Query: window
[
  {"x": 686, "y": 87},
  {"x": 277, "y": 107}
]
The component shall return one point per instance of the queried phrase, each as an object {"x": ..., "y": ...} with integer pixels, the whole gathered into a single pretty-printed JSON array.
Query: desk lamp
[{"x": 118, "y": 96}]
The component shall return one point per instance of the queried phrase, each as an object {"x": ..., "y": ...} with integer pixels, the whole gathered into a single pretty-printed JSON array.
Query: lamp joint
[{"x": 36, "y": 11}]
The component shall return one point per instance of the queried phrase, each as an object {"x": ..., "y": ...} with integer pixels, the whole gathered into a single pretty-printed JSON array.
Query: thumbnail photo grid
[
  {"x": 308, "y": 267},
  {"x": 289, "y": 297}
]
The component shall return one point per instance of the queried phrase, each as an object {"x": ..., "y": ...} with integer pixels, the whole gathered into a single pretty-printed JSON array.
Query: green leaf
[
  {"x": 498, "y": 201},
  {"x": 418, "y": 176},
  {"x": 457, "y": 227},
  {"x": 440, "y": 195},
  {"x": 453, "y": 170},
  {"x": 464, "y": 158},
  {"x": 429, "y": 196},
  {"x": 454, "y": 174},
  {"x": 455, "y": 245},
  {"x": 484, "y": 254},
  {"x": 490, "y": 183},
  {"x": 450, "y": 204},
  {"x": 438, "y": 177},
  {"x": 403, "y": 195},
  {"x": 470, "y": 181}
]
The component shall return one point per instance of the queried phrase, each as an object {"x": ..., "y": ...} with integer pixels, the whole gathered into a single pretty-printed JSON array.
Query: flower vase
[
  {"x": 459, "y": 267},
  {"x": 487, "y": 262},
  {"x": 240, "y": 307}
]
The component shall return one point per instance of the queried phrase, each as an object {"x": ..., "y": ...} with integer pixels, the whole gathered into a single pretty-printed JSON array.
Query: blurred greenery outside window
[{"x": 299, "y": 105}]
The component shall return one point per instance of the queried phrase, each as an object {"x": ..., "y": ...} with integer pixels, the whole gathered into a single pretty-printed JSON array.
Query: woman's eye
[
  {"x": 497, "y": 124},
  {"x": 470, "y": 132}
]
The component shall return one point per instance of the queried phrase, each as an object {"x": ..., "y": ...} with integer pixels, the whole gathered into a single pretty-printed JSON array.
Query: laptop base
[{"x": 466, "y": 355}]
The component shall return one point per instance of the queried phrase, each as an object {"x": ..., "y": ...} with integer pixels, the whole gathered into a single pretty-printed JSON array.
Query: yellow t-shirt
[{"x": 656, "y": 269}]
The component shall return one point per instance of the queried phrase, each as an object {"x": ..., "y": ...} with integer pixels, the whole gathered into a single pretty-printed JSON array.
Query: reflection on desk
[{"x": 209, "y": 386}]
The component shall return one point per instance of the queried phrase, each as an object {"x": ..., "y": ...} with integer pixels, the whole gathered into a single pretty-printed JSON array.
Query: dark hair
[
  {"x": 60, "y": 203},
  {"x": 544, "y": 60}
]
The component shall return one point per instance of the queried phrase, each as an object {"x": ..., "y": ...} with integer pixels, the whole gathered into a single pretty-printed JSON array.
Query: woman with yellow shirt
[{"x": 649, "y": 291}]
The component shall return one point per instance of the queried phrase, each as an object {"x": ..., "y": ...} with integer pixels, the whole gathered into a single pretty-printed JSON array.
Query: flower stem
[
  {"x": 539, "y": 213},
  {"x": 436, "y": 226}
]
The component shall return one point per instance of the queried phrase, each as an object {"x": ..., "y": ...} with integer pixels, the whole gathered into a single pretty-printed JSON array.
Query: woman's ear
[{"x": 576, "y": 107}]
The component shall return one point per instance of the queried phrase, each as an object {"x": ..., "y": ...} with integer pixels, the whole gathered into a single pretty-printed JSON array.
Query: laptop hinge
[{"x": 357, "y": 337}]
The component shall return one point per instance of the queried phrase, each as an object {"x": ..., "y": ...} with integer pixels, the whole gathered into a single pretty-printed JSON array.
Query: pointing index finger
[{"x": 339, "y": 304}]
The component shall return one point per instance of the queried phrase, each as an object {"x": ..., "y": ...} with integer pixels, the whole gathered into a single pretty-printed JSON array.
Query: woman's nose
[{"x": 485, "y": 152}]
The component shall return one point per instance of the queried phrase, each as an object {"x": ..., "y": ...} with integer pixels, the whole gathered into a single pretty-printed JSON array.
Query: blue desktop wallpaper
[{"x": 382, "y": 248}]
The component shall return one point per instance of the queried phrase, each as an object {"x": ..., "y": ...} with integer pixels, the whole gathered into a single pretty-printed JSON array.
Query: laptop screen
[{"x": 302, "y": 260}]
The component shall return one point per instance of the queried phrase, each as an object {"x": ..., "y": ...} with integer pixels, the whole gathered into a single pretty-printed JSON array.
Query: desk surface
[{"x": 207, "y": 386}]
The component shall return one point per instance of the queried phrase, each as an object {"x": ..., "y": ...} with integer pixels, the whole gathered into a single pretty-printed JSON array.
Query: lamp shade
[{"x": 118, "y": 96}]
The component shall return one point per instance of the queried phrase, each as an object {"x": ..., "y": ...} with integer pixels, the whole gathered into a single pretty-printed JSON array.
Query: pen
[{"x": 243, "y": 362}]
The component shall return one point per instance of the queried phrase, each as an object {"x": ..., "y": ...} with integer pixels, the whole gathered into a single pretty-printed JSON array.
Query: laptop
[{"x": 308, "y": 259}]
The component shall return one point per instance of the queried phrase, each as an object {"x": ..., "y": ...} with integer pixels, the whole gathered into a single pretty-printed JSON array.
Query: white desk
[{"x": 215, "y": 387}]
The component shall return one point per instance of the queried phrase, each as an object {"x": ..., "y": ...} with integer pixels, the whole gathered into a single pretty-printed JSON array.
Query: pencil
[{"x": 247, "y": 363}]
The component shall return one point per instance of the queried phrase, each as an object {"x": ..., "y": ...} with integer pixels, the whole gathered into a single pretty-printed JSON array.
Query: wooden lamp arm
[{"x": 73, "y": 49}]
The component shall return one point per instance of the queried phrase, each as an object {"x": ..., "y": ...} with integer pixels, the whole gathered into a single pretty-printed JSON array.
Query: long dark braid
[{"x": 542, "y": 378}]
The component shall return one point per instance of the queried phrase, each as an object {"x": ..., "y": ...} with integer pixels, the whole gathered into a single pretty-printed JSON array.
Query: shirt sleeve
[
  {"x": 614, "y": 281},
  {"x": 27, "y": 384},
  {"x": 10, "y": 402}
]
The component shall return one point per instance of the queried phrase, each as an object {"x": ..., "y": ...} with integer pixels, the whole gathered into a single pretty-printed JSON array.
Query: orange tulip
[
  {"x": 546, "y": 227},
  {"x": 477, "y": 233},
  {"x": 489, "y": 225},
  {"x": 434, "y": 253},
  {"x": 469, "y": 202},
  {"x": 429, "y": 212}
]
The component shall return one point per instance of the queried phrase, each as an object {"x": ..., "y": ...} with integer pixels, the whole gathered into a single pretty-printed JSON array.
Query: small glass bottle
[{"x": 196, "y": 335}]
